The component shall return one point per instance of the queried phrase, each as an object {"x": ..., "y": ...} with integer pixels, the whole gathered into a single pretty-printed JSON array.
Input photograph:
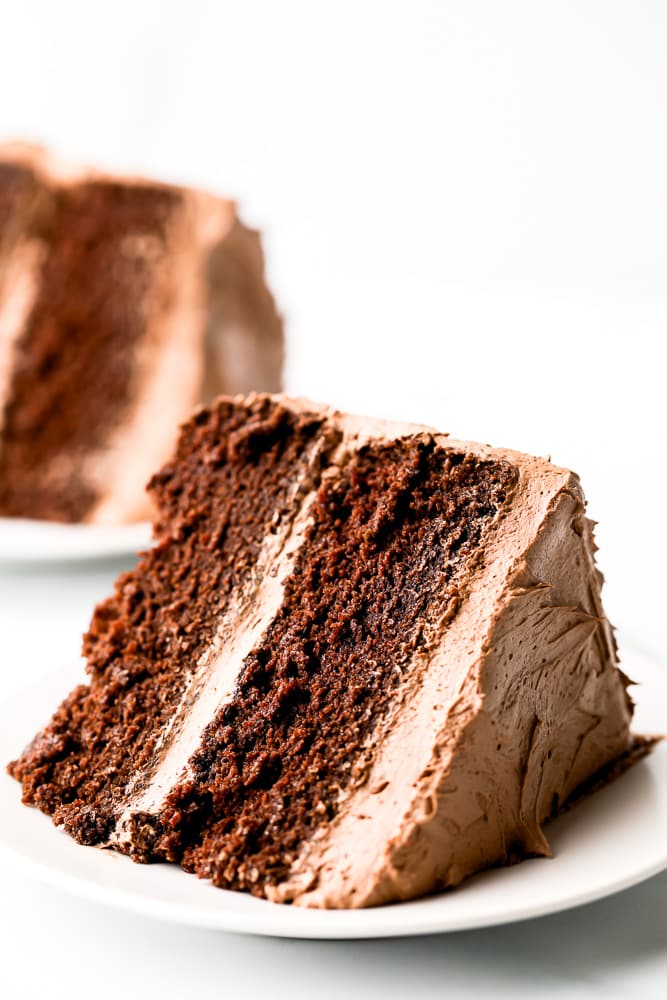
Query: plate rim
[
  {"x": 189, "y": 915},
  {"x": 55, "y": 542},
  {"x": 268, "y": 920}
]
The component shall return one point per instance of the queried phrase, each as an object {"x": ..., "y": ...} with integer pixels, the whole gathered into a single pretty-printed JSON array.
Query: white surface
[
  {"x": 25, "y": 541},
  {"x": 464, "y": 204},
  {"x": 466, "y": 211},
  {"x": 615, "y": 840}
]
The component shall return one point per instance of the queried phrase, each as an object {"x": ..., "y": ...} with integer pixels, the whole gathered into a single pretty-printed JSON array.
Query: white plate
[
  {"x": 608, "y": 843},
  {"x": 23, "y": 540}
]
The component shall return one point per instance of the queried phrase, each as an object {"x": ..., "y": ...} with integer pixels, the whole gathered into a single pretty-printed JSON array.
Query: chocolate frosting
[
  {"x": 516, "y": 702},
  {"x": 519, "y": 702},
  {"x": 513, "y": 703},
  {"x": 211, "y": 325}
]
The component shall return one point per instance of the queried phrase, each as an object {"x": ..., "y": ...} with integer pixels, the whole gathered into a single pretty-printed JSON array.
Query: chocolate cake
[
  {"x": 123, "y": 304},
  {"x": 361, "y": 661}
]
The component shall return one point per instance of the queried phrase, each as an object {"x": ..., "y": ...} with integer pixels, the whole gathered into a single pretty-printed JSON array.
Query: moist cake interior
[
  {"x": 387, "y": 541},
  {"x": 105, "y": 241},
  {"x": 17, "y": 186},
  {"x": 124, "y": 304}
]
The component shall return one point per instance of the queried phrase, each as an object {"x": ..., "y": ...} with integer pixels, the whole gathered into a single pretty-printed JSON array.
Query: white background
[{"x": 465, "y": 208}]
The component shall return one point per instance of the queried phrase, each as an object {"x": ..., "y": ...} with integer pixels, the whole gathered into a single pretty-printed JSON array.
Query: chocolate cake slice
[
  {"x": 362, "y": 661},
  {"x": 123, "y": 304}
]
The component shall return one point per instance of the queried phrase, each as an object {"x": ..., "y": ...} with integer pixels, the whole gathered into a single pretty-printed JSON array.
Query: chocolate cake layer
[
  {"x": 107, "y": 241},
  {"x": 362, "y": 661},
  {"x": 387, "y": 543},
  {"x": 135, "y": 302},
  {"x": 145, "y": 643}
]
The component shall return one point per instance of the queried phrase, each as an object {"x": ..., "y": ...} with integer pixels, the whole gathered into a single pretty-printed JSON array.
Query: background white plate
[
  {"x": 23, "y": 540},
  {"x": 610, "y": 842}
]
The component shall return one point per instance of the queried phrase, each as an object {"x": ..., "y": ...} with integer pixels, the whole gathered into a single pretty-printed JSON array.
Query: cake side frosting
[
  {"x": 498, "y": 741},
  {"x": 244, "y": 330},
  {"x": 215, "y": 332},
  {"x": 387, "y": 684},
  {"x": 169, "y": 364},
  {"x": 182, "y": 287}
]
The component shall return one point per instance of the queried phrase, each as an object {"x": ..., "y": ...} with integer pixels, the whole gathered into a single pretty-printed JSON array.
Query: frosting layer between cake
[
  {"x": 123, "y": 304},
  {"x": 362, "y": 661}
]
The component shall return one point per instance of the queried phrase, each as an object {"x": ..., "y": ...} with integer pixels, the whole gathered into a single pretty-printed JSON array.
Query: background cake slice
[
  {"x": 362, "y": 661},
  {"x": 123, "y": 304}
]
